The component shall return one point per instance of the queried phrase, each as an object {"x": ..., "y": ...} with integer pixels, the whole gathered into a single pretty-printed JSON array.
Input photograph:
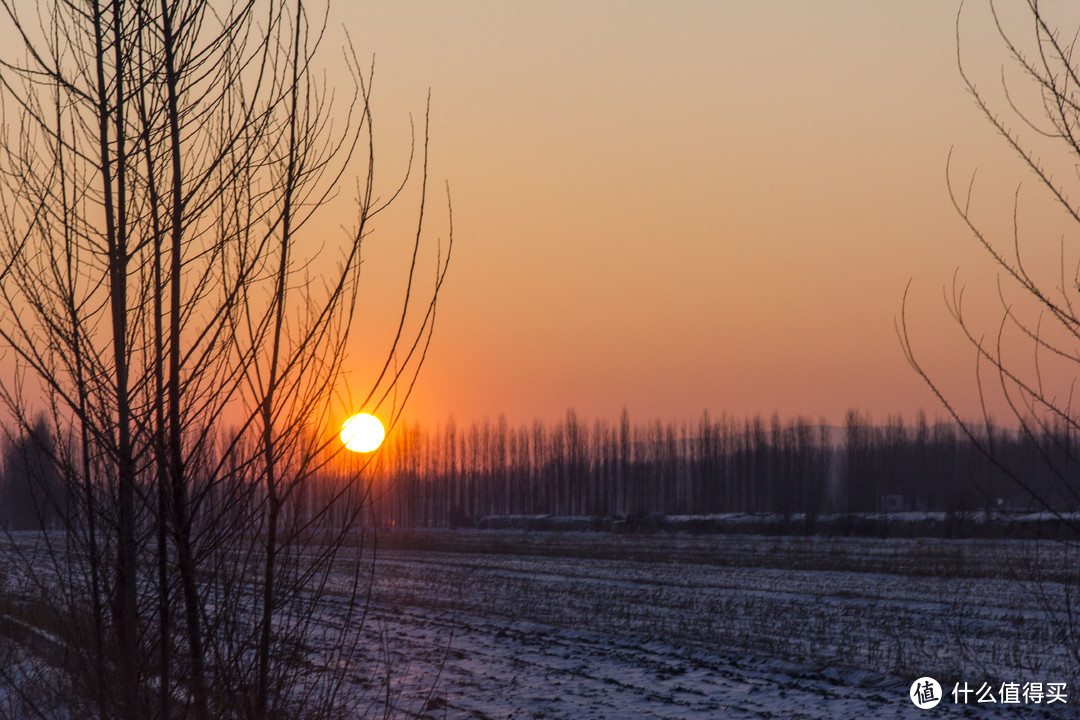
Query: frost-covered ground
[
  {"x": 511, "y": 624},
  {"x": 581, "y": 625}
]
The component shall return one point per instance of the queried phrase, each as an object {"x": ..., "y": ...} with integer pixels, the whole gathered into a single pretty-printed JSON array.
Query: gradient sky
[{"x": 683, "y": 206}]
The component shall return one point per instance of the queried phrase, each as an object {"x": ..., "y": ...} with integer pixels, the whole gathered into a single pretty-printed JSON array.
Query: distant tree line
[
  {"x": 32, "y": 496},
  {"x": 454, "y": 476}
]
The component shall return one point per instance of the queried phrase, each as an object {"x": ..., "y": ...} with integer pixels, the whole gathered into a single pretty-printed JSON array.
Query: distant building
[{"x": 906, "y": 502}]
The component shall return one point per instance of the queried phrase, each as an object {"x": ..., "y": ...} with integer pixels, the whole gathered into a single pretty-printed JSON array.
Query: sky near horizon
[
  {"x": 677, "y": 207},
  {"x": 701, "y": 205}
]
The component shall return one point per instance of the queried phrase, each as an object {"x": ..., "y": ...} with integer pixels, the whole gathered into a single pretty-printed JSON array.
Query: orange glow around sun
[{"x": 362, "y": 433}]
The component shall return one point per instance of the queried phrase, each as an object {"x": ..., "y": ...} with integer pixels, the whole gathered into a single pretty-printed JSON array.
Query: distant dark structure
[{"x": 32, "y": 497}]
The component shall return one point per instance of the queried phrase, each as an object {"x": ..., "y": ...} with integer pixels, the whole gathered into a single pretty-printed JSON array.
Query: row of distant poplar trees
[{"x": 455, "y": 475}]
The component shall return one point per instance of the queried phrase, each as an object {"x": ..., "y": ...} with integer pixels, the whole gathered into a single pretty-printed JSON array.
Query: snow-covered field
[
  {"x": 584, "y": 625},
  {"x": 510, "y": 624}
]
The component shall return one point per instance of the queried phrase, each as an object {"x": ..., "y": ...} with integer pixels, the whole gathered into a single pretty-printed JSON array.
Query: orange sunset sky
[{"x": 683, "y": 206}]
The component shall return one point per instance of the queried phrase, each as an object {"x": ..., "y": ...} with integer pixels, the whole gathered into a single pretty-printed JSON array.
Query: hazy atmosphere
[
  {"x": 562, "y": 361},
  {"x": 674, "y": 207}
]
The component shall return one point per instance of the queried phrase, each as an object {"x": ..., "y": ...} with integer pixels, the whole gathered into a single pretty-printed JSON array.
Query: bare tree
[
  {"x": 1031, "y": 355},
  {"x": 164, "y": 302}
]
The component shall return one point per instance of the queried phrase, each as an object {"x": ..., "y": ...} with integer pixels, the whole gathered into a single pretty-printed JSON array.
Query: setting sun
[{"x": 362, "y": 433}]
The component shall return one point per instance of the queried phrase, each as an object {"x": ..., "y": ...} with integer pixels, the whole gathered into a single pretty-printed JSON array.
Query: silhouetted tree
[
  {"x": 161, "y": 162},
  {"x": 1030, "y": 353},
  {"x": 31, "y": 494},
  {"x": 1038, "y": 315}
]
